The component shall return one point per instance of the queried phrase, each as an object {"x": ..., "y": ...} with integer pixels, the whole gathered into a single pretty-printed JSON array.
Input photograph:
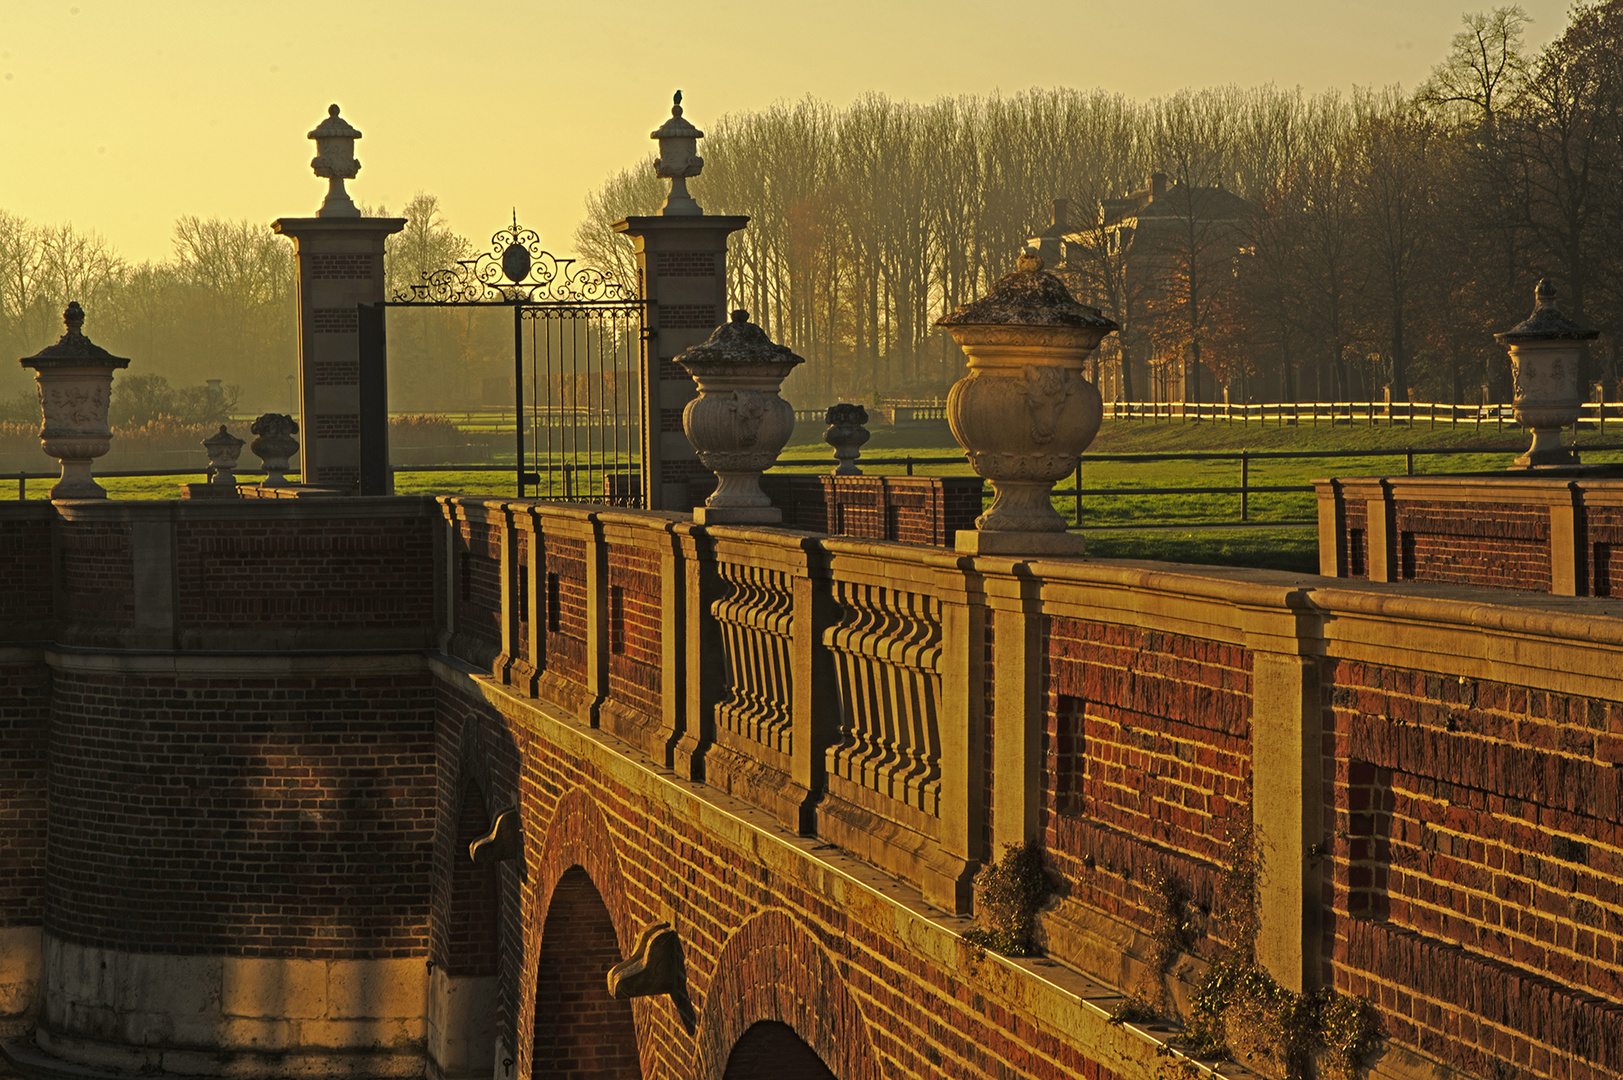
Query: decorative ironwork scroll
[{"x": 515, "y": 269}]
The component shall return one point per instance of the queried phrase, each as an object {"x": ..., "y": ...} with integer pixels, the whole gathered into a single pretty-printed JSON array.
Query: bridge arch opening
[
  {"x": 770, "y": 1050},
  {"x": 581, "y": 1033}
]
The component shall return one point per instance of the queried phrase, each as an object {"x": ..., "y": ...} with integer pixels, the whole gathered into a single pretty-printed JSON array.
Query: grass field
[{"x": 1203, "y": 528}]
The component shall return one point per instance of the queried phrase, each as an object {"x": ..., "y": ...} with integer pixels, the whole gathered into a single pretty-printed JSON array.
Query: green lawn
[{"x": 1187, "y": 527}]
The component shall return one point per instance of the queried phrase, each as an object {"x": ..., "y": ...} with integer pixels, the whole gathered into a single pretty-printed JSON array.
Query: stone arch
[
  {"x": 770, "y": 1050},
  {"x": 772, "y": 969},
  {"x": 579, "y": 929},
  {"x": 579, "y": 1031}
]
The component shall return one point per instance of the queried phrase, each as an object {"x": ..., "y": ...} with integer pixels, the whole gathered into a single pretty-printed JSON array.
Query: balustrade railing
[
  {"x": 887, "y": 649},
  {"x": 756, "y": 618}
]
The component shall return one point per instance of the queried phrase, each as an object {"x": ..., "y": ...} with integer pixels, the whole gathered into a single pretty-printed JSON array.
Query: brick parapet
[
  {"x": 1154, "y": 690},
  {"x": 319, "y": 775},
  {"x": 1552, "y": 534}
]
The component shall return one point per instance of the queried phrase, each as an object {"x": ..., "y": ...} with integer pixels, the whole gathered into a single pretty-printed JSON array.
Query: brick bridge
[{"x": 245, "y": 748}]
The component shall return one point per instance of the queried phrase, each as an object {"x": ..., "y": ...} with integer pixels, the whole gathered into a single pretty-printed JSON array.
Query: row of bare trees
[
  {"x": 222, "y": 307},
  {"x": 1386, "y": 235}
]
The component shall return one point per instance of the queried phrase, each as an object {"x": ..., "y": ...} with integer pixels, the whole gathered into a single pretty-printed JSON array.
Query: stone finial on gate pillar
[
  {"x": 343, "y": 396},
  {"x": 682, "y": 267},
  {"x": 678, "y": 159}
]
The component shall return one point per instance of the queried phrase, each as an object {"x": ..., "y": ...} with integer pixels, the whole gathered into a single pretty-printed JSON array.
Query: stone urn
[
  {"x": 1546, "y": 352},
  {"x": 75, "y": 379},
  {"x": 1025, "y": 412},
  {"x": 223, "y": 449},
  {"x": 738, "y": 423},
  {"x": 846, "y": 433},
  {"x": 274, "y": 444}
]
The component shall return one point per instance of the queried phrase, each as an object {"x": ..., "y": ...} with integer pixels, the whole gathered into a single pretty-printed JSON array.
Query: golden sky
[{"x": 122, "y": 115}]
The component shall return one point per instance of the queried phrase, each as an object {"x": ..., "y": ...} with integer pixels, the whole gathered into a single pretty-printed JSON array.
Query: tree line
[
  {"x": 1387, "y": 234},
  {"x": 222, "y": 308}
]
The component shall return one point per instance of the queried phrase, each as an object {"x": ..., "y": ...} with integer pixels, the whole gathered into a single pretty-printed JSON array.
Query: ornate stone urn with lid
[
  {"x": 75, "y": 378},
  {"x": 1546, "y": 351},
  {"x": 846, "y": 433},
  {"x": 678, "y": 159},
  {"x": 223, "y": 450},
  {"x": 335, "y": 162},
  {"x": 1025, "y": 412},
  {"x": 274, "y": 444},
  {"x": 738, "y": 423}
]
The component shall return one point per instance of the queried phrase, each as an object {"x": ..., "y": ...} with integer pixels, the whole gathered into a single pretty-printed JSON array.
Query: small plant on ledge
[
  {"x": 1240, "y": 1012},
  {"x": 1008, "y": 896}
]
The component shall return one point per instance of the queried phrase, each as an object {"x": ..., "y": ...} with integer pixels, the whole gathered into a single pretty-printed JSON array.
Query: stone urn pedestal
[
  {"x": 738, "y": 424},
  {"x": 75, "y": 378},
  {"x": 1546, "y": 351},
  {"x": 1025, "y": 412}
]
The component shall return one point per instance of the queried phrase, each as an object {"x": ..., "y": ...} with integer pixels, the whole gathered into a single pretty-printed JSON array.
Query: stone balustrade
[
  {"x": 1415, "y": 760},
  {"x": 921, "y": 709}
]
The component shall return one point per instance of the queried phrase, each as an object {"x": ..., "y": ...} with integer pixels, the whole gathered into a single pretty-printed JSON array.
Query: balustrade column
[
  {"x": 963, "y": 745},
  {"x": 1287, "y": 812},
  {"x": 1014, "y": 612}
]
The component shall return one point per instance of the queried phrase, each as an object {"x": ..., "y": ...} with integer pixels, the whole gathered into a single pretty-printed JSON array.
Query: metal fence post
[
  {"x": 1076, "y": 500},
  {"x": 1245, "y": 483}
]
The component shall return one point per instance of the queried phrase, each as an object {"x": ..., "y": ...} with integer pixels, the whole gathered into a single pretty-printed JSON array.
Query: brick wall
[
  {"x": 25, "y": 688},
  {"x": 1476, "y": 879},
  {"x": 634, "y": 627},
  {"x": 466, "y": 938},
  {"x": 343, "y": 266},
  {"x": 1526, "y": 533},
  {"x": 1604, "y": 550},
  {"x": 759, "y": 943},
  {"x": 244, "y": 816},
  {"x": 361, "y": 573},
  {"x": 478, "y": 554},
  {"x": 1147, "y": 762},
  {"x": 1471, "y": 543},
  {"x": 565, "y": 607},
  {"x": 907, "y": 509},
  {"x": 97, "y": 568},
  {"x": 685, "y": 263},
  {"x": 1353, "y": 554},
  {"x": 25, "y": 552}
]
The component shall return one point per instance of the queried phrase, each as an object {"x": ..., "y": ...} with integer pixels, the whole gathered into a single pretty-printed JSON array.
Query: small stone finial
[
  {"x": 1029, "y": 262},
  {"x": 1544, "y": 294},
  {"x": 74, "y": 317},
  {"x": 332, "y": 110},
  {"x": 740, "y": 315}
]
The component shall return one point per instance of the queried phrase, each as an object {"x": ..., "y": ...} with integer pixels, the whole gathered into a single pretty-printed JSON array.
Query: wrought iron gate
[{"x": 580, "y": 345}]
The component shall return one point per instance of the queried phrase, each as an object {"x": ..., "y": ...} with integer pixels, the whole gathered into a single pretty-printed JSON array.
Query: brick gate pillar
[
  {"x": 682, "y": 265},
  {"x": 340, "y": 268}
]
